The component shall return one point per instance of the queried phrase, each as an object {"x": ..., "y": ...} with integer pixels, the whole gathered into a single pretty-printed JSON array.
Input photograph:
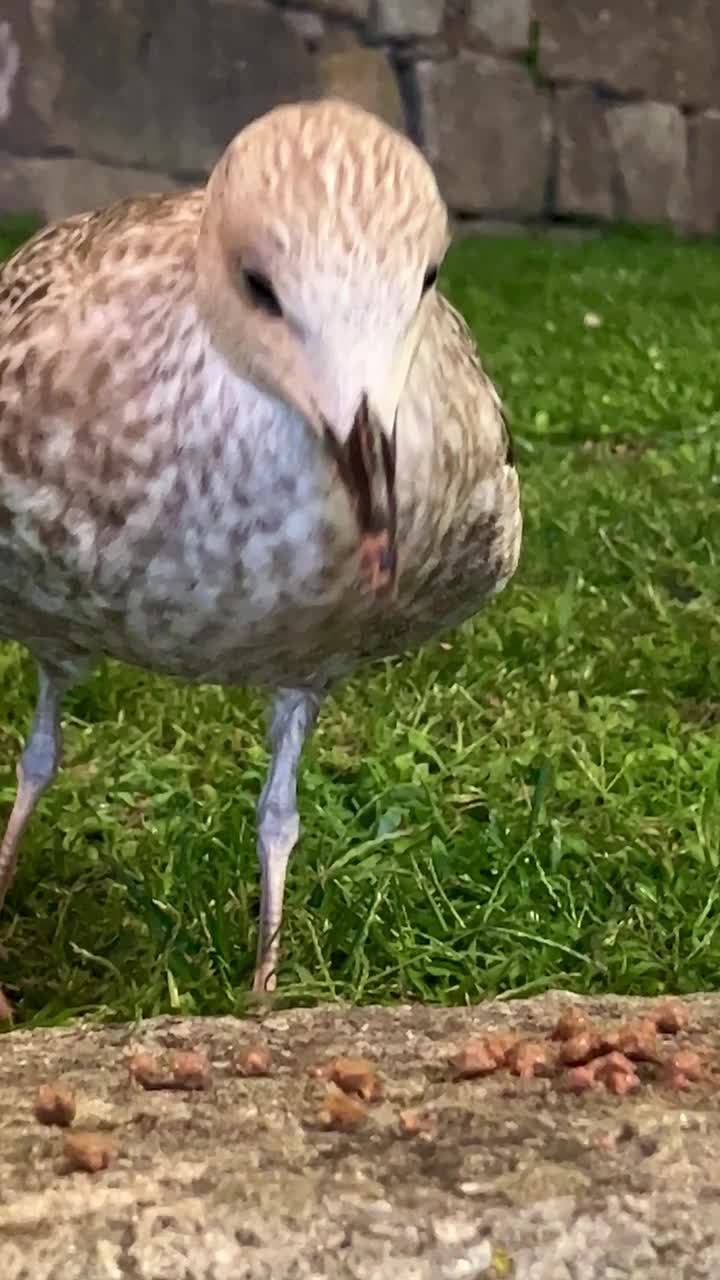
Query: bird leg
[
  {"x": 278, "y": 824},
  {"x": 36, "y": 769}
]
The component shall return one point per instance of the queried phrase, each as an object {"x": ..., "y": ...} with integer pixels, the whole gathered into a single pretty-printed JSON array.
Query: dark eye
[
  {"x": 262, "y": 293},
  {"x": 431, "y": 276}
]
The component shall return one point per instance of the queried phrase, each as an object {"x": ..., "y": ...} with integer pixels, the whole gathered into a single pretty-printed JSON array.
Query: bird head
[{"x": 322, "y": 234}]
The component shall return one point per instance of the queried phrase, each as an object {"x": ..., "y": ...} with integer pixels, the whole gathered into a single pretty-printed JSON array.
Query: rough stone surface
[
  {"x": 155, "y": 90},
  {"x": 650, "y": 144},
  {"x": 357, "y": 10},
  {"x": 30, "y": 74},
  {"x": 310, "y": 26},
  {"x": 704, "y": 171},
  {"x": 364, "y": 76},
  {"x": 57, "y": 187},
  {"x": 585, "y": 159},
  {"x": 487, "y": 130},
  {"x": 398, "y": 20},
  {"x": 516, "y": 1178},
  {"x": 665, "y": 49},
  {"x": 504, "y": 25},
  {"x": 156, "y": 86}
]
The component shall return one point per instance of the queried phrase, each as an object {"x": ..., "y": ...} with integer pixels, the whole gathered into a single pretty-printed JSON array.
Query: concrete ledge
[{"x": 515, "y": 1177}]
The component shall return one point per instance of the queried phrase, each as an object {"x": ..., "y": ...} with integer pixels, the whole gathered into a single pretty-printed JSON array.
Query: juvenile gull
[{"x": 244, "y": 440}]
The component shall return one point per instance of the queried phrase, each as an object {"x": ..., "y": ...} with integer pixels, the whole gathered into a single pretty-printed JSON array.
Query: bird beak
[{"x": 366, "y": 461}]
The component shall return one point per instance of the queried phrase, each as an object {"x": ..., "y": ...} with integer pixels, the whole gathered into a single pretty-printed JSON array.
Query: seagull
[{"x": 244, "y": 440}]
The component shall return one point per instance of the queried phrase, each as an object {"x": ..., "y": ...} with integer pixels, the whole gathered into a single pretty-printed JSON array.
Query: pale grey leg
[
  {"x": 278, "y": 825},
  {"x": 36, "y": 769}
]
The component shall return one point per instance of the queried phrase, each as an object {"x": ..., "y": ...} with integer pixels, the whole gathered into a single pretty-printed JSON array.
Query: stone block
[
  {"x": 30, "y": 74},
  {"x": 309, "y": 25},
  {"x": 502, "y": 25},
  {"x": 150, "y": 84},
  {"x": 664, "y": 49},
  {"x": 649, "y": 140},
  {"x": 704, "y": 172},
  {"x": 356, "y": 10},
  {"x": 398, "y": 20},
  {"x": 486, "y": 129},
  {"x": 59, "y": 186},
  {"x": 366, "y": 77},
  {"x": 585, "y": 159}
]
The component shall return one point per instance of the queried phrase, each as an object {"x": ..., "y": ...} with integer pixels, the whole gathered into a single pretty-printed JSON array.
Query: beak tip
[{"x": 378, "y": 563}]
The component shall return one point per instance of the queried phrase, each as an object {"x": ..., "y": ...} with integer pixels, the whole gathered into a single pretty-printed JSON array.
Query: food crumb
[
  {"x": 253, "y": 1060},
  {"x": 54, "y": 1104},
  {"x": 87, "y": 1152},
  {"x": 579, "y": 1048},
  {"x": 688, "y": 1063},
  {"x": 638, "y": 1040},
  {"x": 415, "y": 1123},
  {"x": 529, "y": 1058},
  {"x": 578, "y": 1079},
  {"x": 572, "y": 1022},
  {"x": 340, "y": 1111},
  {"x": 355, "y": 1075},
  {"x": 190, "y": 1070},
  {"x": 187, "y": 1070},
  {"x": 474, "y": 1058},
  {"x": 670, "y": 1016},
  {"x": 616, "y": 1072},
  {"x": 145, "y": 1069}
]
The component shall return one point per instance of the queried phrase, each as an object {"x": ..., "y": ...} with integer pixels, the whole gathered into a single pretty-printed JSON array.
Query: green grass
[{"x": 533, "y": 802}]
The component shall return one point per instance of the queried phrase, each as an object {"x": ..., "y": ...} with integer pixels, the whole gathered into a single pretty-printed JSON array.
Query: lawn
[{"x": 532, "y": 803}]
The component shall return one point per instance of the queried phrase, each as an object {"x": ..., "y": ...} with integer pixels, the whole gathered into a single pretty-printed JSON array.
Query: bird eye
[
  {"x": 431, "y": 276},
  {"x": 262, "y": 293}
]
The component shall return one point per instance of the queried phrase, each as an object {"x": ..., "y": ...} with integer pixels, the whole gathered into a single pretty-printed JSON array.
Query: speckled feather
[{"x": 157, "y": 509}]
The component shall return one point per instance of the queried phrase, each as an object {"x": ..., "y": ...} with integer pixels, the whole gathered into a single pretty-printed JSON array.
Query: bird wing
[
  {"x": 49, "y": 268},
  {"x": 448, "y": 378}
]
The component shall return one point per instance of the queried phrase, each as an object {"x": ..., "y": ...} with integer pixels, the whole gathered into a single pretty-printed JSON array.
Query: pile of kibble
[
  {"x": 579, "y": 1054},
  {"x": 582, "y": 1054}
]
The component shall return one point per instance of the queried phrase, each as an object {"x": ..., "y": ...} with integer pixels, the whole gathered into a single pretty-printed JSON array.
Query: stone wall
[{"x": 529, "y": 109}]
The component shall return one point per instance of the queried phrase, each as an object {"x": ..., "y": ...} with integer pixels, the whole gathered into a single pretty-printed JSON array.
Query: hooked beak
[{"x": 366, "y": 461}]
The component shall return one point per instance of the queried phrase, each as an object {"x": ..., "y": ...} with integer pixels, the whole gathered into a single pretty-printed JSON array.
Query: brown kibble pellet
[
  {"x": 190, "y": 1070},
  {"x": 620, "y": 1082},
  {"x": 147, "y": 1070},
  {"x": 608, "y": 1040},
  {"x": 638, "y": 1040},
  {"x": 616, "y": 1072},
  {"x": 185, "y": 1070},
  {"x": 614, "y": 1061},
  {"x": 253, "y": 1060},
  {"x": 689, "y": 1063},
  {"x": 342, "y": 1112},
  {"x": 54, "y": 1104},
  {"x": 673, "y": 1079},
  {"x": 579, "y": 1048},
  {"x": 354, "y": 1075},
  {"x": 578, "y": 1079},
  {"x": 501, "y": 1043},
  {"x": 571, "y": 1023},
  {"x": 6, "y": 1010},
  {"x": 474, "y": 1058},
  {"x": 529, "y": 1058},
  {"x": 88, "y": 1152},
  {"x": 670, "y": 1016},
  {"x": 415, "y": 1123}
]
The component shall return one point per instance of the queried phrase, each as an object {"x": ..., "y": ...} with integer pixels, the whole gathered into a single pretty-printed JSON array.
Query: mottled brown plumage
[{"x": 244, "y": 440}]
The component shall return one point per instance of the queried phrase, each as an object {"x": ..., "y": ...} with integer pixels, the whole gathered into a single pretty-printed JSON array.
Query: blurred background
[{"x": 530, "y": 110}]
